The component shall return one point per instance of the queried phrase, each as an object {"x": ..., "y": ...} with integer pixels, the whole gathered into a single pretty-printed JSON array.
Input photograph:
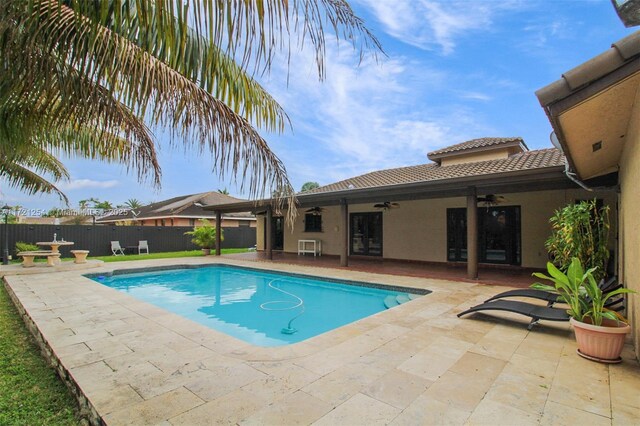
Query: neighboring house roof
[
  {"x": 476, "y": 145},
  {"x": 433, "y": 172},
  {"x": 64, "y": 220},
  {"x": 183, "y": 206}
]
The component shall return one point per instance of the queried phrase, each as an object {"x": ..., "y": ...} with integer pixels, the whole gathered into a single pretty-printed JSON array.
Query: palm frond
[
  {"x": 21, "y": 167},
  {"x": 251, "y": 32},
  {"x": 137, "y": 79},
  {"x": 77, "y": 66}
]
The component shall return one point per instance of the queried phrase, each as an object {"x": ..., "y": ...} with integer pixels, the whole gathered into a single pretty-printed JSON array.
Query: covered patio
[
  {"x": 479, "y": 212},
  {"x": 488, "y": 274}
]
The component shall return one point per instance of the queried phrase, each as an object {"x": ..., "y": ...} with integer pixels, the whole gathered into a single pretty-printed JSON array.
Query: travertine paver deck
[{"x": 413, "y": 364}]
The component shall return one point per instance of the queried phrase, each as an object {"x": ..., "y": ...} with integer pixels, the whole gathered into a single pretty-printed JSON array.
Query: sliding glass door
[
  {"x": 499, "y": 239},
  {"x": 366, "y": 234}
]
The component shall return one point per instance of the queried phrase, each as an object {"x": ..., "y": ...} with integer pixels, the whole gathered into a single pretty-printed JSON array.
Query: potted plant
[
  {"x": 204, "y": 236},
  {"x": 600, "y": 332}
]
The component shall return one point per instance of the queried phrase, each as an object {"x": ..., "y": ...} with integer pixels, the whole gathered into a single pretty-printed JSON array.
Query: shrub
[
  {"x": 22, "y": 246},
  {"x": 204, "y": 236},
  {"x": 582, "y": 231}
]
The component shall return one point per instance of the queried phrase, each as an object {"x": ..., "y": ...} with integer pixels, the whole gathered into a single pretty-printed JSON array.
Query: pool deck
[{"x": 133, "y": 363}]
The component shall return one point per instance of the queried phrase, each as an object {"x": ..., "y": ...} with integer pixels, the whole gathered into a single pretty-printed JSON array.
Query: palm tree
[
  {"x": 84, "y": 204},
  {"x": 223, "y": 191},
  {"x": 94, "y": 78},
  {"x": 133, "y": 203}
]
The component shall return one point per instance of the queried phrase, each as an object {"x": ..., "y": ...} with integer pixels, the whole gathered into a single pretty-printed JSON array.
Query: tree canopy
[{"x": 308, "y": 186}]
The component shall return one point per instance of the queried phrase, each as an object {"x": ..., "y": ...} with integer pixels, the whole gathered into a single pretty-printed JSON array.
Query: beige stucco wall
[
  {"x": 417, "y": 230},
  {"x": 630, "y": 218},
  {"x": 260, "y": 232},
  {"x": 492, "y": 154}
]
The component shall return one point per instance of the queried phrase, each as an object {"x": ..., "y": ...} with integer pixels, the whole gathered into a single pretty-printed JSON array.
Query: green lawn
[
  {"x": 30, "y": 391},
  {"x": 167, "y": 255}
]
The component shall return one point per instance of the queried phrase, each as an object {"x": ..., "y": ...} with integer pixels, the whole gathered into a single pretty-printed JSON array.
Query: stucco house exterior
[
  {"x": 492, "y": 191},
  {"x": 595, "y": 113},
  {"x": 185, "y": 210}
]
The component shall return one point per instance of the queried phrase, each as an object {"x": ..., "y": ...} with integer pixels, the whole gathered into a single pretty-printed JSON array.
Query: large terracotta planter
[
  {"x": 601, "y": 343},
  {"x": 206, "y": 251}
]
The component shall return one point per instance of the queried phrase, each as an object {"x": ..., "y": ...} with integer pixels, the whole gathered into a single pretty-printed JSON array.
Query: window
[
  {"x": 312, "y": 222},
  {"x": 244, "y": 224}
]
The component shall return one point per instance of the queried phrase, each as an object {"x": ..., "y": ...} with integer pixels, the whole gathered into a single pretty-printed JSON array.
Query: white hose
[
  {"x": 288, "y": 329},
  {"x": 265, "y": 304}
]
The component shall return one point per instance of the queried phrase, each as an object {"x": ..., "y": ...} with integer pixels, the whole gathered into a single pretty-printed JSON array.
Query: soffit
[{"x": 603, "y": 118}]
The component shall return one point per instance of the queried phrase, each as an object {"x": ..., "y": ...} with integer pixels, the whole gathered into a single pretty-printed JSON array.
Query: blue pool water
[{"x": 261, "y": 308}]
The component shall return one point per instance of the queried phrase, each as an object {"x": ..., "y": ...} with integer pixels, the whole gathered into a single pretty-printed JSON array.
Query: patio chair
[
  {"x": 535, "y": 312},
  {"x": 143, "y": 245},
  {"x": 116, "y": 249},
  {"x": 552, "y": 298}
]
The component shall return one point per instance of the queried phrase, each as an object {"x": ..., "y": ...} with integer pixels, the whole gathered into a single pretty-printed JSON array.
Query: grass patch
[
  {"x": 32, "y": 393},
  {"x": 167, "y": 255}
]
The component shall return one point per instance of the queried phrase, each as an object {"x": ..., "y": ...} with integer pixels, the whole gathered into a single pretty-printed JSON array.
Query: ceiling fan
[
  {"x": 491, "y": 199},
  {"x": 314, "y": 210},
  {"x": 386, "y": 205}
]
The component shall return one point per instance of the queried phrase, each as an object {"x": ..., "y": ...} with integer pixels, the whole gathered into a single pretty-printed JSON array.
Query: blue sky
[{"x": 454, "y": 71}]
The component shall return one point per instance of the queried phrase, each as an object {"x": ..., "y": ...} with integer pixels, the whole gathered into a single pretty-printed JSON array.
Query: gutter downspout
[{"x": 572, "y": 177}]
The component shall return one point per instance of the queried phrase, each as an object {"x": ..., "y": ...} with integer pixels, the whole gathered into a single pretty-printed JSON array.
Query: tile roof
[
  {"x": 476, "y": 144},
  {"x": 621, "y": 52},
  {"x": 180, "y": 206},
  {"x": 528, "y": 160}
]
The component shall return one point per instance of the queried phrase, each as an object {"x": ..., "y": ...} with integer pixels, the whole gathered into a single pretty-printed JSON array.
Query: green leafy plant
[
  {"x": 22, "y": 246},
  {"x": 204, "y": 236},
  {"x": 580, "y": 291},
  {"x": 580, "y": 230}
]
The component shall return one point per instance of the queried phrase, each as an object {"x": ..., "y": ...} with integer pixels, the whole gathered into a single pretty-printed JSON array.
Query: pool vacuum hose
[{"x": 288, "y": 329}]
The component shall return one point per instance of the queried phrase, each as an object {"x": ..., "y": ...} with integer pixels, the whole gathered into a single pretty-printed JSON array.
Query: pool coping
[{"x": 97, "y": 337}]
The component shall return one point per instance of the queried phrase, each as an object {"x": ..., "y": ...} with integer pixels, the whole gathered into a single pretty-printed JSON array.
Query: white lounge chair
[
  {"x": 143, "y": 245},
  {"x": 116, "y": 249}
]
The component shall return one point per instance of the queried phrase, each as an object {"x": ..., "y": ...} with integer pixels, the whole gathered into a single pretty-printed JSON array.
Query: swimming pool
[{"x": 262, "y": 308}]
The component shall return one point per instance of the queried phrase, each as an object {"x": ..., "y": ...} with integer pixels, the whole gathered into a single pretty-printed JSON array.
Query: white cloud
[
  {"x": 86, "y": 184},
  {"x": 476, "y": 96},
  {"x": 372, "y": 117},
  {"x": 430, "y": 24}
]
